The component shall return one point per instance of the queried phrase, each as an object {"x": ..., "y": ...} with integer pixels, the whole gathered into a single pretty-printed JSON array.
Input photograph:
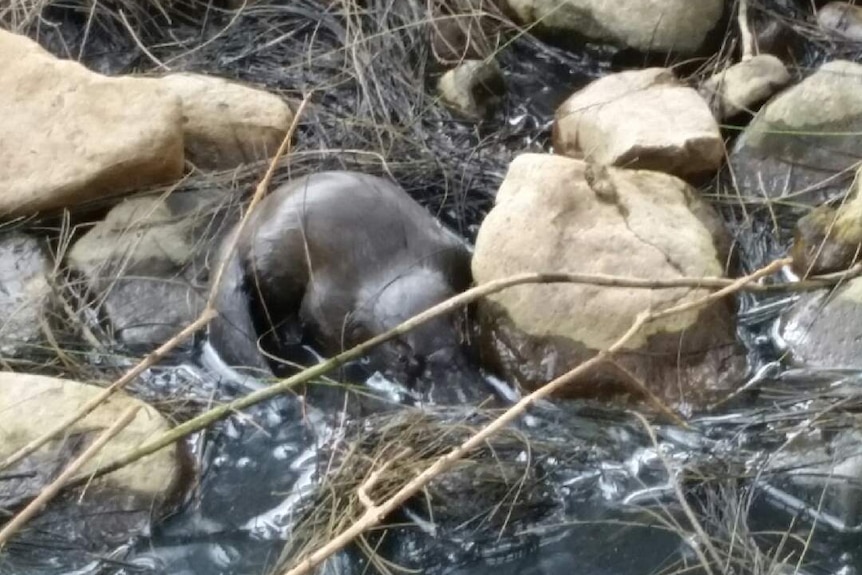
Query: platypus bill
[{"x": 347, "y": 256}]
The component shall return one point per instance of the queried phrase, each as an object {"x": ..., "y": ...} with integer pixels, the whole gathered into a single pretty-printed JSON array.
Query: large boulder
[
  {"x": 743, "y": 86},
  {"x": 25, "y": 294},
  {"x": 824, "y": 329},
  {"x": 641, "y": 119},
  {"x": 225, "y": 123},
  {"x": 109, "y": 509},
  {"x": 802, "y": 147},
  {"x": 70, "y": 135},
  {"x": 556, "y": 214},
  {"x": 142, "y": 265},
  {"x": 673, "y": 25}
]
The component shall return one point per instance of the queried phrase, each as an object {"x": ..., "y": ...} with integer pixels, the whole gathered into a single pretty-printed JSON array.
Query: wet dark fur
[{"x": 349, "y": 256}]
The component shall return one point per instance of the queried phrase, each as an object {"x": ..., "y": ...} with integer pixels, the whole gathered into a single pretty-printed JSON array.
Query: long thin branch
[
  {"x": 374, "y": 515},
  {"x": 205, "y": 317},
  {"x": 54, "y": 488}
]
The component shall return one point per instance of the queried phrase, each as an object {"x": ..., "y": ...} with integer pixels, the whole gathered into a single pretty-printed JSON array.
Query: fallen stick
[
  {"x": 374, "y": 515},
  {"x": 151, "y": 359},
  {"x": 54, "y": 488}
]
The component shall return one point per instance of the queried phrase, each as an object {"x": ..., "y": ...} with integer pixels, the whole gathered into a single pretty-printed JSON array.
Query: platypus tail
[{"x": 232, "y": 332}]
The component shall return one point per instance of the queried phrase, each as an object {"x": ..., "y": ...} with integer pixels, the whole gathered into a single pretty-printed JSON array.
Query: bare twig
[
  {"x": 54, "y": 488},
  {"x": 205, "y": 317},
  {"x": 745, "y": 36}
]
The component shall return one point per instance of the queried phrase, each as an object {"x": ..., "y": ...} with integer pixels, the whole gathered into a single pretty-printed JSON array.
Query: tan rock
[
  {"x": 225, "y": 123},
  {"x": 117, "y": 506},
  {"x": 646, "y": 25},
  {"x": 841, "y": 19},
  {"x": 744, "y": 85},
  {"x": 472, "y": 89},
  {"x": 642, "y": 119},
  {"x": 70, "y": 135},
  {"x": 557, "y": 214}
]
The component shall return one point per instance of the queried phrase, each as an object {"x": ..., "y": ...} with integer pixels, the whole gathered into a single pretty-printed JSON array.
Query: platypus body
[{"x": 347, "y": 256}]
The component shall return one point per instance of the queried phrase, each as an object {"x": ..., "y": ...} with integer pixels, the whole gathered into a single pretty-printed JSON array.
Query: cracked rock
[{"x": 555, "y": 214}]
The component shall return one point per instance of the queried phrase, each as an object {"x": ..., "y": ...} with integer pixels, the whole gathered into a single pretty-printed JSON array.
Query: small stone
[
  {"x": 227, "y": 124},
  {"x": 642, "y": 119},
  {"x": 743, "y": 86},
  {"x": 473, "y": 89}
]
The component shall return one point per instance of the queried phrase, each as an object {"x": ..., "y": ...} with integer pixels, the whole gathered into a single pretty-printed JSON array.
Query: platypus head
[{"x": 432, "y": 354}]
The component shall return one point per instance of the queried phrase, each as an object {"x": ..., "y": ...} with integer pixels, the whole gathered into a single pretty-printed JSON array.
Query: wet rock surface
[
  {"x": 567, "y": 215},
  {"x": 25, "y": 294},
  {"x": 642, "y": 120},
  {"x": 113, "y": 508},
  {"x": 107, "y": 135},
  {"x": 226, "y": 124},
  {"x": 823, "y": 329},
  {"x": 801, "y": 147}
]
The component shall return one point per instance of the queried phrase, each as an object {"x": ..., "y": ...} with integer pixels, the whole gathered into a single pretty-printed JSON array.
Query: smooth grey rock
[
  {"x": 142, "y": 265},
  {"x": 803, "y": 146}
]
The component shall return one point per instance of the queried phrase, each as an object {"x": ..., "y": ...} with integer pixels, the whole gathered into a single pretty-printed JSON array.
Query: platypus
[{"x": 347, "y": 256}]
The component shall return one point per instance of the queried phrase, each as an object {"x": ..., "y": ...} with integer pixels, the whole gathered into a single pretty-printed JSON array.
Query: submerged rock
[
  {"x": 829, "y": 239},
  {"x": 556, "y": 214},
  {"x": 643, "y": 119},
  {"x": 824, "y": 329},
  {"x": 803, "y": 146},
  {"x": 25, "y": 293},
  {"x": 842, "y": 20},
  {"x": 70, "y": 135},
  {"x": 111, "y": 508},
  {"x": 673, "y": 25},
  {"x": 226, "y": 124},
  {"x": 473, "y": 89},
  {"x": 139, "y": 265},
  {"x": 743, "y": 86}
]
